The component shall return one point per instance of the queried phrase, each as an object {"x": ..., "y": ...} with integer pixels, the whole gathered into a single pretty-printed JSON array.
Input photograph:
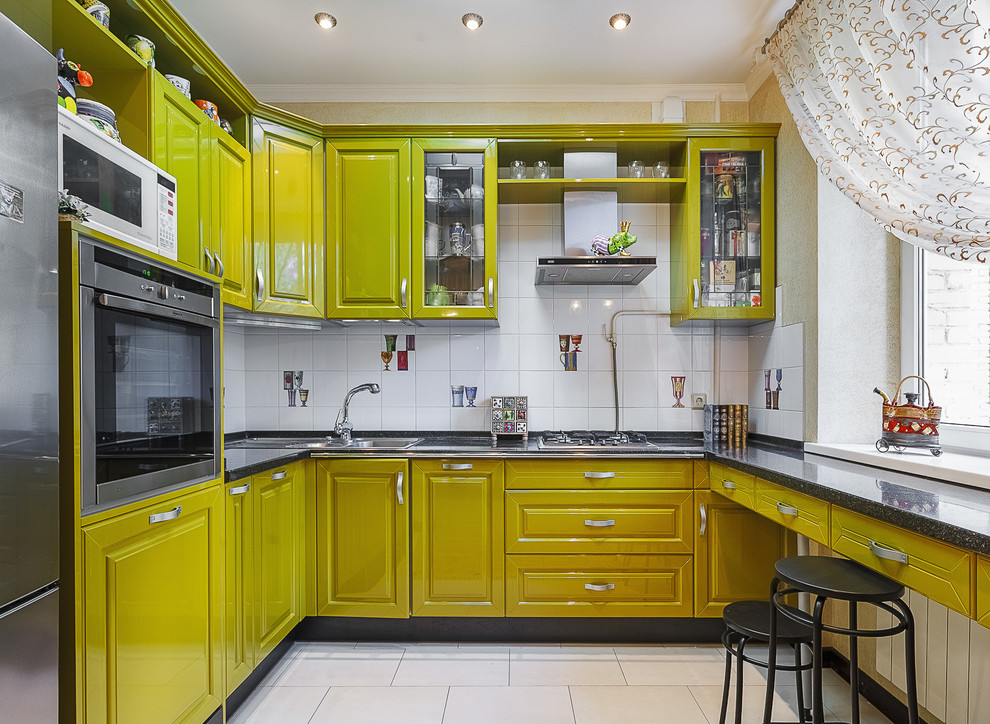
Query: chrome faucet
[{"x": 343, "y": 425}]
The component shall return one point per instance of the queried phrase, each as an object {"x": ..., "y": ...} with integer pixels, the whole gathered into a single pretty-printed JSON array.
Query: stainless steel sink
[{"x": 383, "y": 443}]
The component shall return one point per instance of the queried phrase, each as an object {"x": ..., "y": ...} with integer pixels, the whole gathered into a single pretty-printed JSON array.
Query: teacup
[
  {"x": 100, "y": 12},
  {"x": 142, "y": 47},
  {"x": 210, "y": 109},
  {"x": 181, "y": 84}
]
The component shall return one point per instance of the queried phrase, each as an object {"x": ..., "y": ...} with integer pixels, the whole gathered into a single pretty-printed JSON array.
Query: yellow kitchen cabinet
[
  {"x": 457, "y": 538},
  {"x": 183, "y": 139},
  {"x": 289, "y": 240},
  {"x": 279, "y": 521},
  {"x": 231, "y": 217},
  {"x": 733, "y": 484},
  {"x": 239, "y": 596},
  {"x": 152, "y": 617},
  {"x": 362, "y": 534},
  {"x": 598, "y": 474},
  {"x": 983, "y": 590},
  {"x": 938, "y": 570},
  {"x": 454, "y": 210},
  {"x": 801, "y": 513},
  {"x": 368, "y": 240},
  {"x": 593, "y": 521},
  {"x": 734, "y": 555},
  {"x": 598, "y": 585}
]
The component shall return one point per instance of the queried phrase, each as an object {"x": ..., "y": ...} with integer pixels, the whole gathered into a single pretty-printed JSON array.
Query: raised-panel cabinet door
[
  {"x": 239, "y": 628},
  {"x": 368, "y": 240},
  {"x": 277, "y": 556},
  {"x": 362, "y": 538},
  {"x": 182, "y": 147},
  {"x": 734, "y": 556},
  {"x": 232, "y": 218},
  {"x": 151, "y": 617},
  {"x": 288, "y": 221},
  {"x": 457, "y": 538}
]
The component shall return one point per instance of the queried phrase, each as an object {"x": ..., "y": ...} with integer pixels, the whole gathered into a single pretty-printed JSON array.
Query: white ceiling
[{"x": 525, "y": 50}]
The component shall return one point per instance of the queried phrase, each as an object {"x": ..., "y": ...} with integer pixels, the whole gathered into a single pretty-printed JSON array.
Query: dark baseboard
[
  {"x": 216, "y": 717},
  {"x": 888, "y": 704},
  {"x": 254, "y": 679},
  {"x": 508, "y": 630}
]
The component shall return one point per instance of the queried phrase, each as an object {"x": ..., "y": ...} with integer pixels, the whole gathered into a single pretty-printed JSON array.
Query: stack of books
[{"x": 726, "y": 425}]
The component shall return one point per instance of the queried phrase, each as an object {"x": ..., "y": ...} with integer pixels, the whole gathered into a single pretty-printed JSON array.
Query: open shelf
[{"x": 629, "y": 190}]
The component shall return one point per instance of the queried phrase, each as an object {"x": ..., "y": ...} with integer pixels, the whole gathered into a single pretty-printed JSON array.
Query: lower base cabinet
[
  {"x": 240, "y": 640},
  {"x": 152, "y": 613}
]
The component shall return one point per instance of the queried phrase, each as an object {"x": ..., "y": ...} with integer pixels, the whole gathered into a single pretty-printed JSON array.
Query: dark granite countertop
[{"x": 951, "y": 513}]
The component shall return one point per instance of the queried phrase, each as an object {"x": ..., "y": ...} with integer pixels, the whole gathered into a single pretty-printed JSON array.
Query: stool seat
[
  {"x": 838, "y": 578},
  {"x": 752, "y": 619}
]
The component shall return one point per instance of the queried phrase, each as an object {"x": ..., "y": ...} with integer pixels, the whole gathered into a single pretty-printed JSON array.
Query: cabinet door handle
[
  {"x": 600, "y": 587},
  {"x": 786, "y": 509},
  {"x": 280, "y": 475},
  {"x": 591, "y": 474},
  {"x": 889, "y": 553},
  {"x": 728, "y": 485},
  {"x": 704, "y": 519},
  {"x": 697, "y": 293},
  {"x": 458, "y": 466},
  {"x": 239, "y": 490},
  {"x": 167, "y": 515},
  {"x": 599, "y": 523},
  {"x": 398, "y": 487},
  {"x": 219, "y": 264},
  {"x": 261, "y": 286},
  {"x": 402, "y": 291},
  {"x": 491, "y": 291},
  {"x": 209, "y": 260}
]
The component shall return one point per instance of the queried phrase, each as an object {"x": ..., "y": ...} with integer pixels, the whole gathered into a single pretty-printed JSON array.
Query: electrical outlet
[{"x": 698, "y": 400}]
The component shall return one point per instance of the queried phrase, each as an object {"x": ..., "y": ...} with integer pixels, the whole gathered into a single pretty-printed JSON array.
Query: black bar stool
[
  {"x": 843, "y": 580},
  {"x": 746, "y": 621}
]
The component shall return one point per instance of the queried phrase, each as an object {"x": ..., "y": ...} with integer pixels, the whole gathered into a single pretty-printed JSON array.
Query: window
[{"x": 946, "y": 339}]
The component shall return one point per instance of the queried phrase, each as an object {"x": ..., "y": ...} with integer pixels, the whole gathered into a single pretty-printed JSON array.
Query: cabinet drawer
[
  {"x": 801, "y": 513},
  {"x": 598, "y": 585},
  {"x": 940, "y": 571},
  {"x": 734, "y": 485},
  {"x": 983, "y": 590},
  {"x": 592, "y": 521},
  {"x": 598, "y": 474}
]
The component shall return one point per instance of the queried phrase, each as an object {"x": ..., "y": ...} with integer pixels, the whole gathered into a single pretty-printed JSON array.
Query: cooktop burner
[{"x": 587, "y": 439}]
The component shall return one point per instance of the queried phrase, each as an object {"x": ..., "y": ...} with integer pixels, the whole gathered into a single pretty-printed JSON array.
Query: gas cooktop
[{"x": 590, "y": 440}]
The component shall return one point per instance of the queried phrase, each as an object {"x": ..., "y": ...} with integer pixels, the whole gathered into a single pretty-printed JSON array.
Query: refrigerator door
[
  {"x": 29, "y": 661},
  {"x": 28, "y": 317}
]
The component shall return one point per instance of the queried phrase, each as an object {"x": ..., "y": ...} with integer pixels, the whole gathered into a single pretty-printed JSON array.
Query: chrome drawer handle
[
  {"x": 599, "y": 475},
  {"x": 239, "y": 491},
  {"x": 398, "y": 487},
  {"x": 167, "y": 515},
  {"x": 280, "y": 475},
  {"x": 600, "y": 587},
  {"x": 728, "y": 485},
  {"x": 786, "y": 509},
  {"x": 402, "y": 292},
  {"x": 458, "y": 466},
  {"x": 491, "y": 291},
  {"x": 261, "y": 286},
  {"x": 704, "y": 519},
  {"x": 697, "y": 293},
  {"x": 889, "y": 553},
  {"x": 219, "y": 264},
  {"x": 209, "y": 260},
  {"x": 599, "y": 523}
]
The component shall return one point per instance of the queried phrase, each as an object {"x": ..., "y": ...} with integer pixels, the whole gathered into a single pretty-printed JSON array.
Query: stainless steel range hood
[{"x": 627, "y": 270}]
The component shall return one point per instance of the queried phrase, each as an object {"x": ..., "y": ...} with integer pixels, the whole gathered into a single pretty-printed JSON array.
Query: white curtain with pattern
[{"x": 892, "y": 99}]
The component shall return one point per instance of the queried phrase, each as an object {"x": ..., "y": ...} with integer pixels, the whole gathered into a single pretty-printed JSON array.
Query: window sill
[{"x": 952, "y": 467}]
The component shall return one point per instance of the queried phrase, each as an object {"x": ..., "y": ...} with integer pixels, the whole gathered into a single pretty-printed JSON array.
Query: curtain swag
[{"x": 892, "y": 100}]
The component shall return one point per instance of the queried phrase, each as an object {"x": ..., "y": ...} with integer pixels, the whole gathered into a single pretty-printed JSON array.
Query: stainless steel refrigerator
[{"x": 28, "y": 380}]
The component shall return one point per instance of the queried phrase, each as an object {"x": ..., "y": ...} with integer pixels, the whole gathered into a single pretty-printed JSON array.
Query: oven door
[{"x": 149, "y": 381}]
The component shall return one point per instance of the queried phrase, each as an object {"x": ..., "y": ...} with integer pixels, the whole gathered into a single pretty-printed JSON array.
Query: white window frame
[{"x": 970, "y": 439}]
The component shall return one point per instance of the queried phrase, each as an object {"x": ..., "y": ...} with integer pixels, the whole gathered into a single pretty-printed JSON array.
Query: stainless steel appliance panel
[
  {"x": 29, "y": 661},
  {"x": 28, "y": 322}
]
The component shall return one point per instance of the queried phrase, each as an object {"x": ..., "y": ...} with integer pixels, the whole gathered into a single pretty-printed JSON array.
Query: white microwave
[{"x": 128, "y": 197}]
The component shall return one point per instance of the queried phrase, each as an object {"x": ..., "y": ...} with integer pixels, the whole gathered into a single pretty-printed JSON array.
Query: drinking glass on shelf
[
  {"x": 636, "y": 169},
  {"x": 541, "y": 169},
  {"x": 661, "y": 169},
  {"x": 517, "y": 170}
]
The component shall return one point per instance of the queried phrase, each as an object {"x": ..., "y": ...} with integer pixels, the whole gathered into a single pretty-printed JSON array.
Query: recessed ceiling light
[
  {"x": 619, "y": 21},
  {"x": 472, "y": 21},
  {"x": 325, "y": 20}
]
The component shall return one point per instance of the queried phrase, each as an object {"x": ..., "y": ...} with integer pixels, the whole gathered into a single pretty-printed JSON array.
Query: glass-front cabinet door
[
  {"x": 725, "y": 266},
  {"x": 454, "y": 211}
]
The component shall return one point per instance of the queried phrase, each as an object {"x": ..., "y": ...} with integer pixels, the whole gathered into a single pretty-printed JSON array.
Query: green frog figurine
[{"x": 616, "y": 244}]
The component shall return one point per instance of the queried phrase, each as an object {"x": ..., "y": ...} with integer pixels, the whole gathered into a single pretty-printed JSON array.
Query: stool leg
[
  {"x": 739, "y": 678},
  {"x": 854, "y": 662},
  {"x": 817, "y": 705},
  {"x": 799, "y": 682},
  {"x": 909, "y": 662},
  {"x": 729, "y": 653},
  {"x": 771, "y": 655}
]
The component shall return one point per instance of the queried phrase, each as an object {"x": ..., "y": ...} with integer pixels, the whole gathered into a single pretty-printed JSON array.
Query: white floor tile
[
  {"x": 839, "y": 703},
  {"x": 640, "y": 704},
  {"x": 709, "y": 698},
  {"x": 565, "y": 666},
  {"x": 331, "y": 665},
  {"x": 450, "y": 666},
  {"x": 678, "y": 666},
  {"x": 515, "y": 704},
  {"x": 382, "y": 705},
  {"x": 288, "y": 705}
]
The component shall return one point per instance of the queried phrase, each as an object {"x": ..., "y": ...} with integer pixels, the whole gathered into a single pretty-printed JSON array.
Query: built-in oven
[{"x": 150, "y": 386}]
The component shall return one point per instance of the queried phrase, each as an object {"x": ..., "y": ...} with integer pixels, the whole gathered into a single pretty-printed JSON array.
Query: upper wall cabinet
[
  {"x": 455, "y": 202},
  {"x": 367, "y": 216},
  {"x": 288, "y": 221},
  {"x": 231, "y": 236},
  {"x": 722, "y": 262}
]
